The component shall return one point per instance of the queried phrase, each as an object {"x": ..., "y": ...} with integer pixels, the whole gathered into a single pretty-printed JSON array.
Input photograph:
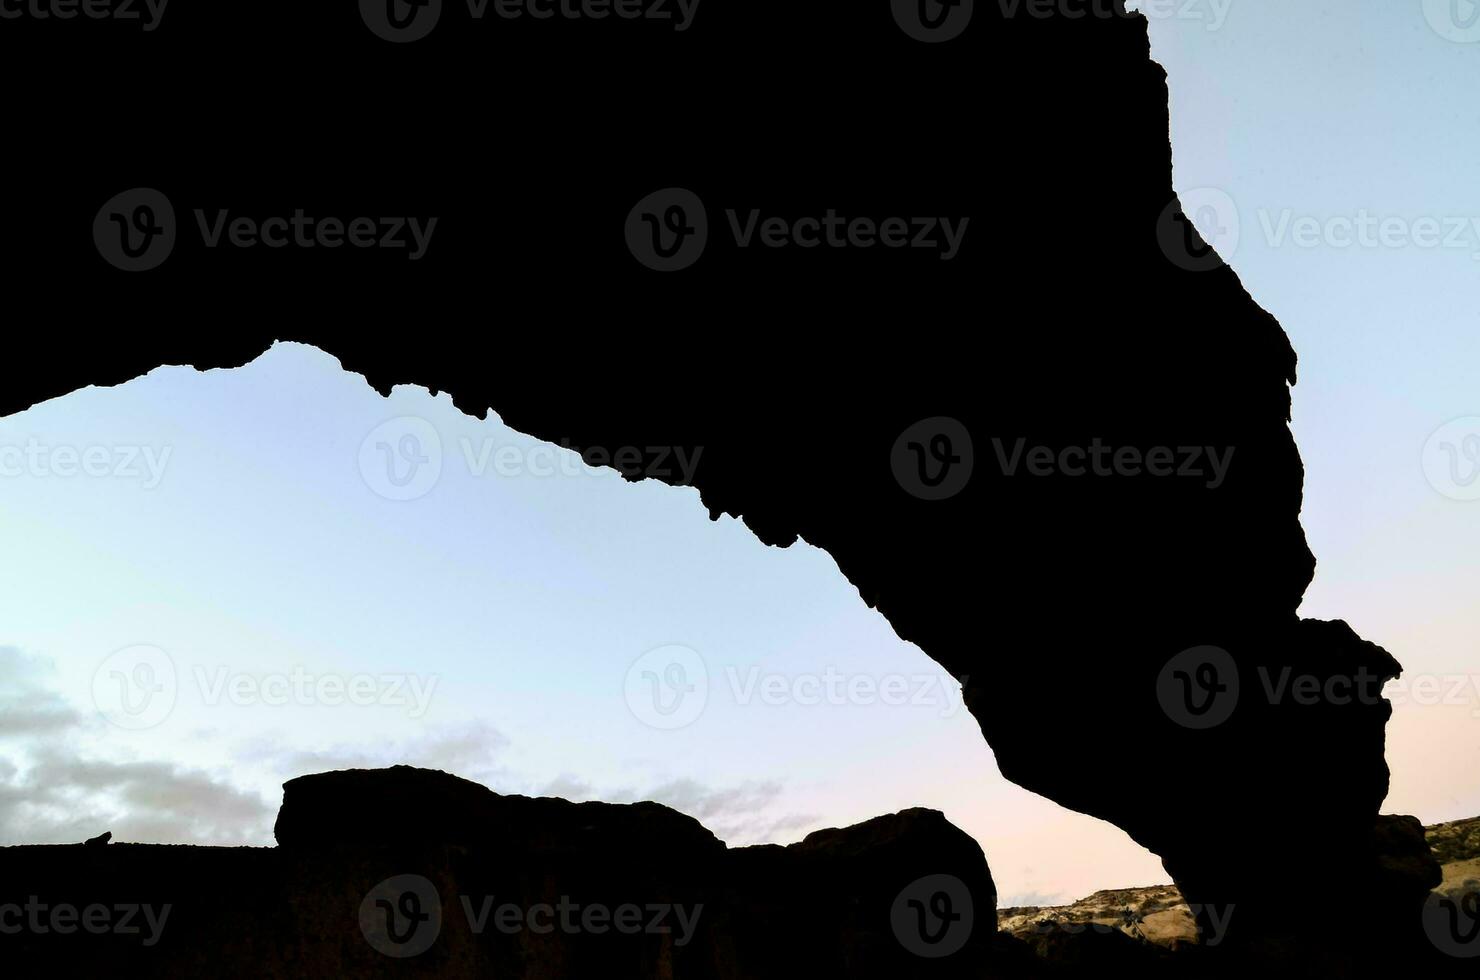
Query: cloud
[
  {"x": 1033, "y": 899},
  {"x": 567, "y": 787},
  {"x": 27, "y": 707},
  {"x": 466, "y": 750},
  {"x": 58, "y": 799},
  {"x": 52, "y": 792},
  {"x": 742, "y": 814}
]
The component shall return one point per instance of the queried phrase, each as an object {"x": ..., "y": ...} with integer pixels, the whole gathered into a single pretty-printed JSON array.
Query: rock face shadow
[{"x": 1106, "y": 480}]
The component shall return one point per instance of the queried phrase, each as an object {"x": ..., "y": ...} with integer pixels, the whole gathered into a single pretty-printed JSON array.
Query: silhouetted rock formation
[
  {"x": 409, "y": 871},
  {"x": 1406, "y": 872},
  {"x": 414, "y": 871},
  {"x": 99, "y": 841},
  {"x": 355, "y": 807},
  {"x": 1159, "y": 914},
  {"x": 1057, "y": 598}
]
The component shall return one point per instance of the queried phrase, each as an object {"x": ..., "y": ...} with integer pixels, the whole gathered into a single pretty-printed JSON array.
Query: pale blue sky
[{"x": 515, "y": 603}]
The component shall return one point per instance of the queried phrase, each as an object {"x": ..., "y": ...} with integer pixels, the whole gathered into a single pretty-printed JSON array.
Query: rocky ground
[
  {"x": 1158, "y": 914},
  {"x": 1456, "y": 846}
]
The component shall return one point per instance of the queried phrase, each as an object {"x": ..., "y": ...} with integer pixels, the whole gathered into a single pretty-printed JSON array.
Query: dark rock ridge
[
  {"x": 526, "y": 888},
  {"x": 1063, "y": 321}
]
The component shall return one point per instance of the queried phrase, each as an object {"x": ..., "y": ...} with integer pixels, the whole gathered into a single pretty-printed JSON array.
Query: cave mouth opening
[{"x": 222, "y": 580}]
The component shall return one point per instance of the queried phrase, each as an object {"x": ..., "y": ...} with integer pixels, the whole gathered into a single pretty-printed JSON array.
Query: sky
[{"x": 213, "y": 582}]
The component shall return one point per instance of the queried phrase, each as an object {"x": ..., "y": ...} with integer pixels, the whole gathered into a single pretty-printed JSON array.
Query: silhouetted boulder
[
  {"x": 1092, "y": 949},
  {"x": 869, "y": 900},
  {"x": 406, "y": 805},
  {"x": 1407, "y": 868}
]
